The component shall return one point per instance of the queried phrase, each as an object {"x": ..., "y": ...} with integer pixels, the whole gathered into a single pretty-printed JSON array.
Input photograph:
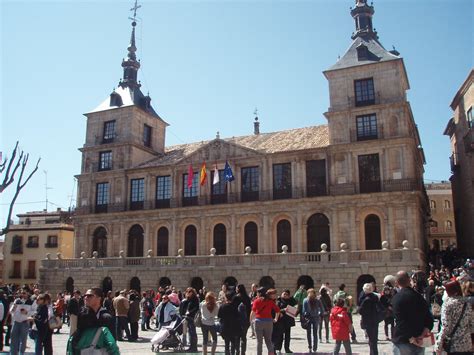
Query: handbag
[
  {"x": 198, "y": 319},
  {"x": 448, "y": 339},
  {"x": 91, "y": 349},
  {"x": 304, "y": 322},
  {"x": 55, "y": 323}
]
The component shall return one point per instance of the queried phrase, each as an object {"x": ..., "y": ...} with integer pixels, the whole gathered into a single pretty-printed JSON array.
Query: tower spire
[
  {"x": 362, "y": 14},
  {"x": 131, "y": 65}
]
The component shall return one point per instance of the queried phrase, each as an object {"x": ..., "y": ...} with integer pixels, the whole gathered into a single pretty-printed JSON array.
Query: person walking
[
  {"x": 285, "y": 322},
  {"x": 134, "y": 315},
  {"x": 262, "y": 309},
  {"x": 20, "y": 325},
  {"x": 230, "y": 325},
  {"x": 244, "y": 308},
  {"x": 73, "y": 307},
  {"x": 253, "y": 295},
  {"x": 209, "y": 311},
  {"x": 44, "y": 334},
  {"x": 190, "y": 309},
  {"x": 59, "y": 308},
  {"x": 437, "y": 304},
  {"x": 324, "y": 319},
  {"x": 369, "y": 316},
  {"x": 312, "y": 310},
  {"x": 458, "y": 322},
  {"x": 121, "y": 306},
  {"x": 349, "y": 304},
  {"x": 389, "y": 321},
  {"x": 341, "y": 326},
  {"x": 413, "y": 319}
]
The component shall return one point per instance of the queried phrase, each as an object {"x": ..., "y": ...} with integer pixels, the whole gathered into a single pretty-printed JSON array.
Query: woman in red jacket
[{"x": 341, "y": 327}]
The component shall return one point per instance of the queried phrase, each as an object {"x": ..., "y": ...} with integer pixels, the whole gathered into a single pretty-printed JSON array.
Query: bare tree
[{"x": 8, "y": 172}]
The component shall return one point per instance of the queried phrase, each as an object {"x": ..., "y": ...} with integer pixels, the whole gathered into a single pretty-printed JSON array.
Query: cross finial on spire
[
  {"x": 256, "y": 112},
  {"x": 134, "y": 9}
]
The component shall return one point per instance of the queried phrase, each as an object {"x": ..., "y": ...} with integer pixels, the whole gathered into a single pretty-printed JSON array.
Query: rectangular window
[
  {"x": 16, "y": 272},
  {"x": 369, "y": 173},
  {"x": 316, "y": 178},
  {"x": 469, "y": 118},
  {"x": 17, "y": 245},
  {"x": 219, "y": 190},
  {"x": 163, "y": 191},
  {"x": 102, "y": 197},
  {"x": 137, "y": 194},
  {"x": 146, "y": 135},
  {"x": 281, "y": 181},
  {"x": 109, "y": 132},
  {"x": 32, "y": 241},
  {"x": 105, "y": 160},
  {"x": 364, "y": 92},
  {"x": 31, "y": 272},
  {"x": 250, "y": 183},
  {"x": 366, "y": 127},
  {"x": 190, "y": 195},
  {"x": 52, "y": 241}
]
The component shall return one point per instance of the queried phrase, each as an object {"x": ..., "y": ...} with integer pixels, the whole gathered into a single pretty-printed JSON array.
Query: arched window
[
  {"x": 70, "y": 285},
  {"x": 283, "y": 235},
  {"x": 164, "y": 282},
  {"x": 317, "y": 232},
  {"x": 197, "y": 283},
  {"x": 433, "y": 204},
  {"x": 373, "y": 234},
  {"x": 449, "y": 226},
  {"x": 99, "y": 242},
  {"x": 135, "y": 284},
  {"x": 162, "y": 242},
  {"x": 251, "y": 237},
  {"x": 447, "y": 205},
  {"x": 106, "y": 285},
  {"x": 190, "y": 240},
  {"x": 135, "y": 241},
  {"x": 220, "y": 239}
]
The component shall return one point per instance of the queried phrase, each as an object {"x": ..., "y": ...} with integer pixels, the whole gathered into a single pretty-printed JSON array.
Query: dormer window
[
  {"x": 362, "y": 52},
  {"x": 115, "y": 99}
]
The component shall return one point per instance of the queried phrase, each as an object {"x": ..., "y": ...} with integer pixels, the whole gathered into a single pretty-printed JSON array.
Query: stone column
[
  {"x": 298, "y": 232},
  {"x": 147, "y": 239},
  {"x": 173, "y": 239},
  {"x": 334, "y": 232},
  {"x": 354, "y": 228},
  {"x": 123, "y": 238},
  {"x": 203, "y": 237},
  {"x": 176, "y": 192},
  {"x": 265, "y": 239},
  {"x": 390, "y": 237},
  {"x": 231, "y": 240}
]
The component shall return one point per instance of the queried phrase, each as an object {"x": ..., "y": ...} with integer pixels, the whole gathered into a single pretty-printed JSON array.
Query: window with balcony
[
  {"x": 105, "y": 160},
  {"x": 17, "y": 245},
  {"x": 364, "y": 92},
  {"x": 32, "y": 241},
  {"x": 52, "y": 241},
  {"x": 109, "y": 132},
  {"x": 282, "y": 181},
  {"x": 250, "y": 183},
  {"x": 16, "y": 270},
  {"x": 163, "y": 191},
  {"x": 147, "y": 135},
  {"x": 219, "y": 190},
  {"x": 31, "y": 271},
  {"x": 137, "y": 194},
  {"x": 448, "y": 225},
  {"x": 369, "y": 173},
  {"x": 102, "y": 197},
  {"x": 190, "y": 193},
  {"x": 366, "y": 127},
  {"x": 316, "y": 178}
]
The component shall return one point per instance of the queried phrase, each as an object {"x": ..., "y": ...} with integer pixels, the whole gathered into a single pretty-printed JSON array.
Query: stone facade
[
  {"x": 354, "y": 183},
  {"x": 442, "y": 228},
  {"x": 460, "y": 129}
]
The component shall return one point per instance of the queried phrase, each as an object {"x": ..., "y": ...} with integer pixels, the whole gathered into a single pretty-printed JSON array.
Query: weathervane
[
  {"x": 255, "y": 112},
  {"x": 134, "y": 9}
]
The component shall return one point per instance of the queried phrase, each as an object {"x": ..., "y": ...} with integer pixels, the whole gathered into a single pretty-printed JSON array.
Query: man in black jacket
[
  {"x": 413, "y": 319},
  {"x": 73, "y": 307}
]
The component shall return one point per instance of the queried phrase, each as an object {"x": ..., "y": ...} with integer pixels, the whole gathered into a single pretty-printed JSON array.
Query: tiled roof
[
  {"x": 274, "y": 142},
  {"x": 377, "y": 53}
]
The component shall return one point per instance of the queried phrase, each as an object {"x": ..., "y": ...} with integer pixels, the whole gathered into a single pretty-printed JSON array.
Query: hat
[
  {"x": 262, "y": 290},
  {"x": 368, "y": 288}
]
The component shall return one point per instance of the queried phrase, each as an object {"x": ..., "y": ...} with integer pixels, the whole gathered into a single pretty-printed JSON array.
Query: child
[{"x": 341, "y": 327}]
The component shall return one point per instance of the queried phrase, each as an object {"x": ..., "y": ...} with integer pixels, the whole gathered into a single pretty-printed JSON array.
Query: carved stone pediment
[{"x": 220, "y": 150}]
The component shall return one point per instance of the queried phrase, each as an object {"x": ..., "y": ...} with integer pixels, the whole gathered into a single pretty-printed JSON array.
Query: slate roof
[
  {"x": 377, "y": 53},
  {"x": 265, "y": 143},
  {"x": 130, "y": 97}
]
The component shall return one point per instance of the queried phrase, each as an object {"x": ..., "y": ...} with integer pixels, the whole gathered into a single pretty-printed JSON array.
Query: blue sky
[{"x": 207, "y": 65}]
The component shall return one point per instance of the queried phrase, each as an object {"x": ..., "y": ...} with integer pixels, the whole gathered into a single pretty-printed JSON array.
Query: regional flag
[
  {"x": 190, "y": 176},
  {"x": 228, "y": 175},
  {"x": 203, "y": 177},
  {"x": 215, "y": 178}
]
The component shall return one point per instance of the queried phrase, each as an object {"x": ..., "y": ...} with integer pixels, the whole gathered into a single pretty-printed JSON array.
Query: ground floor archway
[
  {"x": 267, "y": 282},
  {"x": 305, "y": 280},
  {"x": 361, "y": 280}
]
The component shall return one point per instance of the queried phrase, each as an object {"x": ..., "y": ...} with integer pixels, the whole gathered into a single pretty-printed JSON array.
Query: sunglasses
[{"x": 87, "y": 295}]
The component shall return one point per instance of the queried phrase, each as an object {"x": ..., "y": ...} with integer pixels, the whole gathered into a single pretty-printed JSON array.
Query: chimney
[{"x": 256, "y": 126}]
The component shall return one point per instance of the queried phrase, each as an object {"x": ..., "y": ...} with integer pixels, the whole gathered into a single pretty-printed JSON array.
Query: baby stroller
[{"x": 169, "y": 336}]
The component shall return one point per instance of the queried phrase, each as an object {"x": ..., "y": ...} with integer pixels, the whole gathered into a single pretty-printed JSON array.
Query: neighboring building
[
  {"x": 1, "y": 262},
  {"x": 460, "y": 130},
  {"x": 350, "y": 187},
  {"x": 28, "y": 242},
  {"x": 442, "y": 229}
]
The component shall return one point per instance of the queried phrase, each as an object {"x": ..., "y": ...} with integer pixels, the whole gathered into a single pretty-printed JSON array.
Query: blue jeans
[
  {"x": 19, "y": 337},
  {"x": 193, "y": 338},
  {"x": 312, "y": 328},
  {"x": 407, "y": 349}
]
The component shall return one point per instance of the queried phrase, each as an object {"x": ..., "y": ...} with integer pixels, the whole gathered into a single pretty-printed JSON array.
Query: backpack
[{"x": 381, "y": 311}]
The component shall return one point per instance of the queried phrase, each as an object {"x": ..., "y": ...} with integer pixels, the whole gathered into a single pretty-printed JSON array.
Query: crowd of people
[{"x": 408, "y": 304}]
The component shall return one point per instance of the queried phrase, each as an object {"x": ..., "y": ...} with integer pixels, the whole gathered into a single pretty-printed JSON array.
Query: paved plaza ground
[{"x": 298, "y": 343}]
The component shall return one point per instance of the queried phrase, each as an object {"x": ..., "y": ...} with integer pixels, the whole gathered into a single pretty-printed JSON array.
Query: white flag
[{"x": 215, "y": 179}]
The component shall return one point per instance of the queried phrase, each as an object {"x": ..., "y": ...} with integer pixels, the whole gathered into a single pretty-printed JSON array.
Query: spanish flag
[{"x": 203, "y": 174}]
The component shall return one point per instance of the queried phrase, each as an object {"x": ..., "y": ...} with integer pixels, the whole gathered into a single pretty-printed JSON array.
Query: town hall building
[{"x": 276, "y": 208}]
